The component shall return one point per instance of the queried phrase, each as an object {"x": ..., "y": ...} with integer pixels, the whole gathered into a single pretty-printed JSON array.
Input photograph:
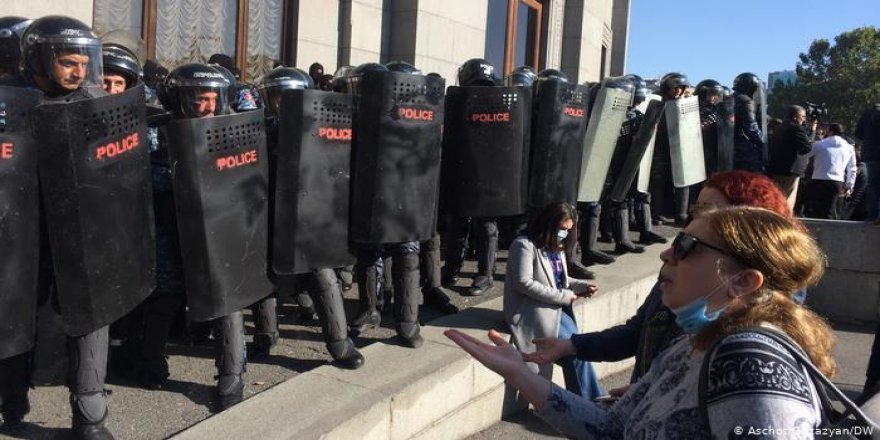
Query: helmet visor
[
  {"x": 199, "y": 102},
  {"x": 73, "y": 63}
]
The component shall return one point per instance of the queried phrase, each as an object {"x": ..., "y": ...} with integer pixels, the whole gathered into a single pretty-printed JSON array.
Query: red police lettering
[
  {"x": 416, "y": 114},
  {"x": 334, "y": 134},
  {"x": 6, "y": 150},
  {"x": 490, "y": 117},
  {"x": 575, "y": 112},
  {"x": 114, "y": 149},
  {"x": 235, "y": 161}
]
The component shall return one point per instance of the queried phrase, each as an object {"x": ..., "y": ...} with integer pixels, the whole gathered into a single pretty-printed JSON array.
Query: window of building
[
  {"x": 514, "y": 30},
  {"x": 256, "y": 33}
]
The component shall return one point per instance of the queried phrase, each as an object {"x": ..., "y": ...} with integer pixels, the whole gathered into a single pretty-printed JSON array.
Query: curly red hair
[{"x": 751, "y": 189}]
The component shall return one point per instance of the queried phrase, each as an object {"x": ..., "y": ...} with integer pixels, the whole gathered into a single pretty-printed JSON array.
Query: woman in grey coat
[{"x": 538, "y": 293}]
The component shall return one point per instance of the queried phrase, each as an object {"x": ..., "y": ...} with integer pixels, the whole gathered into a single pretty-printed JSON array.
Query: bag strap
[{"x": 823, "y": 384}]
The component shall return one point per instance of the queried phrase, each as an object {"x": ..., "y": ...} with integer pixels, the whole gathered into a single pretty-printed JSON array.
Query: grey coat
[{"x": 532, "y": 300}]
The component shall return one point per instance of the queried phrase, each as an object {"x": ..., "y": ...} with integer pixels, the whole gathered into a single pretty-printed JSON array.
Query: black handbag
[{"x": 848, "y": 423}]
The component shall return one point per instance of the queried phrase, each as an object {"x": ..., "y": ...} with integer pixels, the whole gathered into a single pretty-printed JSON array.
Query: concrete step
[{"x": 436, "y": 391}]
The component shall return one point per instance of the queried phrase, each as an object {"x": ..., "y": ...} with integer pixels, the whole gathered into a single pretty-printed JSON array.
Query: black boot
[
  {"x": 87, "y": 369},
  {"x": 619, "y": 228},
  {"x": 578, "y": 270},
  {"x": 406, "y": 301},
  {"x": 265, "y": 327},
  {"x": 590, "y": 253},
  {"x": 429, "y": 267},
  {"x": 327, "y": 293},
  {"x": 487, "y": 247},
  {"x": 231, "y": 359},
  {"x": 346, "y": 354},
  {"x": 90, "y": 416},
  {"x": 308, "y": 312},
  {"x": 646, "y": 233},
  {"x": 159, "y": 312},
  {"x": 14, "y": 384},
  {"x": 368, "y": 316},
  {"x": 454, "y": 240}
]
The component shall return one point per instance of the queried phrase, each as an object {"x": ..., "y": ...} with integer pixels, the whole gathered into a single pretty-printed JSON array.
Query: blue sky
[{"x": 719, "y": 39}]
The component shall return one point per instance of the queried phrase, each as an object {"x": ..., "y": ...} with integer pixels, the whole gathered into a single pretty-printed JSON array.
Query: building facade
[{"x": 585, "y": 39}]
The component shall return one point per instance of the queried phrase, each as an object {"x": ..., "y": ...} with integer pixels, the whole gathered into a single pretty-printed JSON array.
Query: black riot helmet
[
  {"x": 618, "y": 82},
  {"x": 195, "y": 90},
  {"x": 61, "y": 54},
  {"x": 340, "y": 79},
  {"x": 746, "y": 83},
  {"x": 672, "y": 81},
  {"x": 477, "y": 72},
  {"x": 708, "y": 89},
  {"x": 278, "y": 80},
  {"x": 640, "y": 89},
  {"x": 356, "y": 75},
  {"x": 119, "y": 60},
  {"x": 11, "y": 29},
  {"x": 522, "y": 76},
  {"x": 402, "y": 67},
  {"x": 553, "y": 74},
  {"x": 727, "y": 92}
]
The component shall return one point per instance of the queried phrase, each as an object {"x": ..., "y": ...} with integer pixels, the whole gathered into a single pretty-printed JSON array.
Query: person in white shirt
[{"x": 834, "y": 173}]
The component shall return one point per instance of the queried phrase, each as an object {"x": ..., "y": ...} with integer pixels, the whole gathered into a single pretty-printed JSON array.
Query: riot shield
[
  {"x": 685, "y": 142},
  {"x": 725, "y": 134},
  {"x": 558, "y": 121},
  {"x": 220, "y": 192},
  {"x": 94, "y": 169},
  {"x": 19, "y": 225},
  {"x": 642, "y": 139},
  {"x": 644, "y": 176},
  {"x": 396, "y": 161},
  {"x": 608, "y": 114},
  {"x": 486, "y": 150},
  {"x": 760, "y": 99},
  {"x": 312, "y": 182}
]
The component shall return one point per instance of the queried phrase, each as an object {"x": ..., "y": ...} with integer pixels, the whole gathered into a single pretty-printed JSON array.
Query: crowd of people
[{"x": 148, "y": 194}]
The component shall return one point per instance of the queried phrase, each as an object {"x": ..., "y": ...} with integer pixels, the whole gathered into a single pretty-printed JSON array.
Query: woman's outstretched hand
[
  {"x": 500, "y": 357},
  {"x": 549, "y": 350}
]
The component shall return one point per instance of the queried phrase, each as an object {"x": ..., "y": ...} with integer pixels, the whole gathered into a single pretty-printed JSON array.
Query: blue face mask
[
  {"x": 693, "y": 317},
  {"x": 561, "y": 234}
]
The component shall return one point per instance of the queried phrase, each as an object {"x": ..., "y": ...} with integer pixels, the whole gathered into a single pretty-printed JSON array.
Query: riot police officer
[
  {"x": 669, "y": 204},
  {"x": 475, "y": 72},
  {"x": 321, "y": 282},
  {"x": 122, "y": 70},
  {"x": 387, "y": 217},
  {"x": 748, "y": 139},
  {"x": 194, "y": 91},
  {"x": 710, "y": 93},
  {"x": 62, "y": 58}
]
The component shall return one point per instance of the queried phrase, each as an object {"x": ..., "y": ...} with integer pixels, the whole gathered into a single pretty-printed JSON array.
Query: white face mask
[{"x": 561, "y": 234}]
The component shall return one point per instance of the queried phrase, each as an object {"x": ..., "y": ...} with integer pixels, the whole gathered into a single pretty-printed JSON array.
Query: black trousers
[{"x": 822, "y": 199}]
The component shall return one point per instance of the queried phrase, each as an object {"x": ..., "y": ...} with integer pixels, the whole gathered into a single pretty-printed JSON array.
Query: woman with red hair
[{"x": 653, "y": 327}]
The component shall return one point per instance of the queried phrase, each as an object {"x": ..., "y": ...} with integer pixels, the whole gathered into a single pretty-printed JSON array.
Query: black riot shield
[
  {"x": 312, "y": 182},
  {"x": 94, "y": 169},
  {"x": 19, "y": 225},
  {"x": 640, "y": 142},
  {"x": 396, "y": 158},
  {"x": 486, "y": 150},
  {"x": 220, "y": 191},
  {"x": 558, "y": 128},
  {"x": 725, "y": 135}
]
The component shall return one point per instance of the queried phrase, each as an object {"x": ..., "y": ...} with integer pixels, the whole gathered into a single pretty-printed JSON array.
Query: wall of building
[
  {"x": 620, "y": 41},
  {"x": 363, "y": 41},
  {"x": 318, "y": 34},
  {"x": 79, "y": 9},
  {"x": 587, "y": 27},
  {"x": 448, "y": 33}
]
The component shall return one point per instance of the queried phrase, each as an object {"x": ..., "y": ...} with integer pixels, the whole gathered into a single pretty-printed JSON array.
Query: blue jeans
[
  {"x": 872, "y": 192},
  {"x": 580, "y": 378}
]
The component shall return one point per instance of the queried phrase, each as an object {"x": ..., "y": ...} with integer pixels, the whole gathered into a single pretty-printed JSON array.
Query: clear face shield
[
  {"x": 73, "y": 63},
  {"x": 200, "y": 102}
]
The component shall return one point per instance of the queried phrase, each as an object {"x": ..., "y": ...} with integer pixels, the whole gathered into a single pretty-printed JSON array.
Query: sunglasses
[{"x": 684, "y": 243}]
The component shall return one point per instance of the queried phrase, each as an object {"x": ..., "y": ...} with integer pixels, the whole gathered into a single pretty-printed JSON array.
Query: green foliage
[{"x": 845, "y": 75}]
